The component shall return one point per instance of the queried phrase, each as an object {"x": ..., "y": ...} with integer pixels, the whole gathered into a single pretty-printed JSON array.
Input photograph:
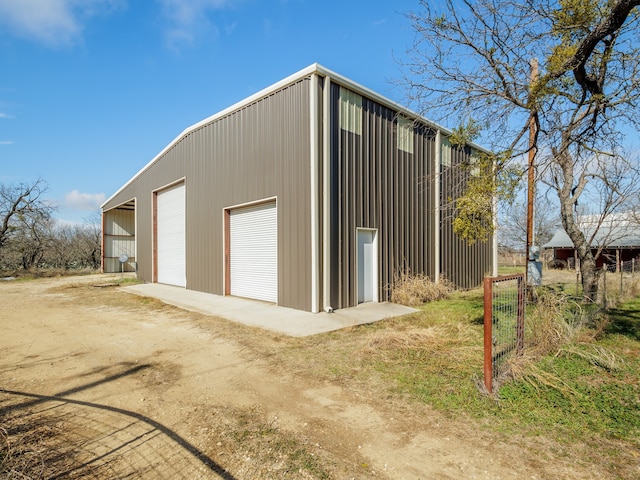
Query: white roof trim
[{"x": 314, "y": 68}]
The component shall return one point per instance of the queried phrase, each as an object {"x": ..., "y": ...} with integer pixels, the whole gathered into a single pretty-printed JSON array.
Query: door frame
[
  {"x": 375, "y": 269},
  {"x": 154, "y": 223},
  {"x": 226, "y": 233}
]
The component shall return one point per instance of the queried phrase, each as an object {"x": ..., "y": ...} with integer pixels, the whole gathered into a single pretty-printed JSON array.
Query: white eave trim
[{"x": 314, "y": 68}]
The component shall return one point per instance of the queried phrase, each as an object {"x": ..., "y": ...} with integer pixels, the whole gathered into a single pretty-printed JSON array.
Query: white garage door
[
  {"x": 171, "y": 236},
  {"x": 254, "y": 252}
]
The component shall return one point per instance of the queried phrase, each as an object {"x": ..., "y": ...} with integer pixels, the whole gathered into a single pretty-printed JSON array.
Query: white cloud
[
  {"x": 6, "y": 142},
  {"x": 189, "y": 20},
  {"x": 52, "y": 22},
  {"x": 84, "y": 201},
  {"x": 5, "y": 115},
  {"x": 229, "y": 28},
  {"x": 187, "y": 12},
  {"x": 62, "y": 222},
  {"x": 377, "y": 23}
]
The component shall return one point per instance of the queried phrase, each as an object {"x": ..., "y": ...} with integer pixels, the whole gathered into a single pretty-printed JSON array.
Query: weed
[
  {"x": 414, "y": 290},
  {"x": 618, "y": 288},
  {"x": 269, "y": 450},
  {"x": 594, "y": 354}
]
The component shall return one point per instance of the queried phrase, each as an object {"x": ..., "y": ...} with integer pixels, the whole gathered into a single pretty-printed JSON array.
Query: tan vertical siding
[
  {"x": 259, "y": 151},
  {"x": 463, "y": 263},
  {"x": 382, "y": 187},
  {"x": 379, "y": 179}
]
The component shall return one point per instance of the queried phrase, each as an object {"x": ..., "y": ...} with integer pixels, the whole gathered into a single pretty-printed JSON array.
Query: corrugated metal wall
[
  {"x": 260, "y": 151},
  {"x": 382, "y": 177},
  {"x": 378, "y": 185},
  {"x": 462, "y": 263},
  {"x": 119, "y": 232}
]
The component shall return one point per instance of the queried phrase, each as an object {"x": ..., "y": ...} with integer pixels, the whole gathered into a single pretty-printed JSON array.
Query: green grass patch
[
  {"x": 467, "y": 307},
  {"x": 510, "y": 270},
  {"x": 626, "y": 320},
  {"x": 584, "y": 401},
  {"x": 436, "y": 357}
]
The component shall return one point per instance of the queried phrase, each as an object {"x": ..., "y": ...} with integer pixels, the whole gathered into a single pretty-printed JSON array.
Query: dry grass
[
  {"x": 559, "y": 325},
  {"x": 554, "y": 321},
  {"x": 20, "y": 459},
  {"x": 404, "y": 345},
  {"x": 619, "y": 288},
  {"x": 525, "y": 368},
  {"x": 415, "y": 290},
  {"x": 39, "y": 444},
  {"x": 594, "y": 354},
  {"x": 39, "y": 450},
  {"x": 46, "y": 273},
  {"x": 401, "y": 340},
  {"x": 631, "y": 288}
]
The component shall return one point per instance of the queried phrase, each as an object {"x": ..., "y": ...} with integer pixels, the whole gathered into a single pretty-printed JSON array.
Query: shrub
[
  {"x": 414, "y": 290},
  {"x": 561, "y": 326}
]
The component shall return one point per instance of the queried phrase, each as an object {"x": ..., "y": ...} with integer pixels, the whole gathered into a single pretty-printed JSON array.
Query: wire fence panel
[
  {"x": 503, "y": 324},
  {"x": 618, "y": 281}
]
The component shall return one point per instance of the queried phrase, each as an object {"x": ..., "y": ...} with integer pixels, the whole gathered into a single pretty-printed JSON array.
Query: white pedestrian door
[
  {"x": 367, "y": 271},
  {"x": 253, "y": 252},
  {"x": 170, "y": 236}
]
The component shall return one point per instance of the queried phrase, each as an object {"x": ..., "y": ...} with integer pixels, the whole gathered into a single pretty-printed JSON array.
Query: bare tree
[
  {"x": 74, "y": 246},
  {"x": 25, "y": 217},
  {"x": 471, "y": 65},
  {"x": 88, "y": 243},
  {"x": 31, "y": 238},
  {"x": 512, "y": 230}
]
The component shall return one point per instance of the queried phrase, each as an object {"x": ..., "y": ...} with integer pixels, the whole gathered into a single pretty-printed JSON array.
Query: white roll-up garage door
[
  {"x": 171, "y": 236},
  {"x": 254, "y": 252}
]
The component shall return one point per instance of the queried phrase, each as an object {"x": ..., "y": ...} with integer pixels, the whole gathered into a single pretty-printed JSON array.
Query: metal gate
[{"x": 503, "y": 325}]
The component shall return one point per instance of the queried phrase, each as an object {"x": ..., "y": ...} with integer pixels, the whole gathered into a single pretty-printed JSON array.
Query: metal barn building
[{"x": 311, "y": 194}]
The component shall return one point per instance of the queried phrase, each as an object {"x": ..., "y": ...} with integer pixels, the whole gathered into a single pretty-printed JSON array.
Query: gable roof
[
  {"x": 622, "y": 234},
  {"x": 312, "y": 69}
]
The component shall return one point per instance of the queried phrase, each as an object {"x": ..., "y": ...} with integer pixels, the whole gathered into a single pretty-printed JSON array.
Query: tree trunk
[
  {"x": 589, "y": 274},
  {"x": 588, "y": 269},
  {"x": 568, "y": 197}
]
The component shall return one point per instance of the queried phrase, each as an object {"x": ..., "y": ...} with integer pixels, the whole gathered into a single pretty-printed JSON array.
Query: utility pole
[{"x": 531, "y": 170}]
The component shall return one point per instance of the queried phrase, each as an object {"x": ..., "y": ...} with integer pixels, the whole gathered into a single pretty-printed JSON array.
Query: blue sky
[{"x": 91, "y": 90}]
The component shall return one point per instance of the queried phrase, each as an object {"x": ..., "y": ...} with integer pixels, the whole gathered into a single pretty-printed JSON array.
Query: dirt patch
[{"x": 101, "y": 384}]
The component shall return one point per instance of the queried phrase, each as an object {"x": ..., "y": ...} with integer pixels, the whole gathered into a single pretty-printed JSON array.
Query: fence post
[
  {"x": 520, "y": 319},
  {"x": 621, "y": 270},
  {"x": 488, "y": 320},
  {"x": 604, "y": 287}
]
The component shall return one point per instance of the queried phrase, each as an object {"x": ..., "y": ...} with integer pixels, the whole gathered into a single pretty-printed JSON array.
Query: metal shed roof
[{"x": 624, "y": 235}]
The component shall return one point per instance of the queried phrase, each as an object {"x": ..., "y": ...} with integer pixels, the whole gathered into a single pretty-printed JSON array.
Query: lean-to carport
[{"x": 119, "y": 238}]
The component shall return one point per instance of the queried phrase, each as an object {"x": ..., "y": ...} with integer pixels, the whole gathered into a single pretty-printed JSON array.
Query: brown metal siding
[
  {"x": 462, "y": 263},
  {"x": 260, "y": 151},
  {"x": 376, "y": 185}
]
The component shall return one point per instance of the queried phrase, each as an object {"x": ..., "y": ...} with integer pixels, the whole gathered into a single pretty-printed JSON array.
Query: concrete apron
[{"x": 295, "y": 323}]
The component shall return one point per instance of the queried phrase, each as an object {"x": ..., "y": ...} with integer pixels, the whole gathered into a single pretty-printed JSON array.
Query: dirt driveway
[{"x": 98, "y": 383}]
